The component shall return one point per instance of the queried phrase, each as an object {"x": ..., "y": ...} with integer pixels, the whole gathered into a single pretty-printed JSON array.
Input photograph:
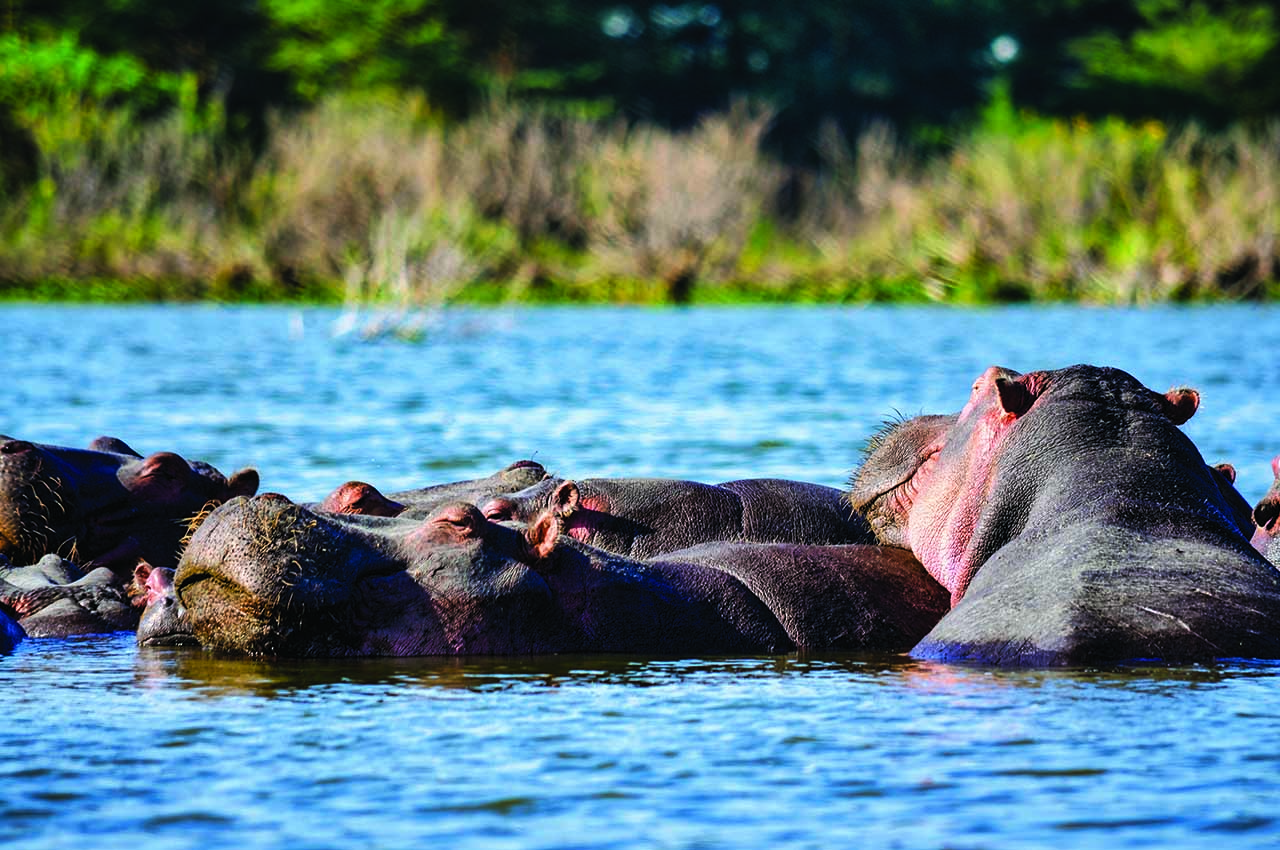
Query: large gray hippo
[
  {"x": 265, "y": 576},
  {"x": 1072, "y": 522},
  {"x": 358, "y": 497},
  {"x": 645, "y": 517},
  {"x": 105, "y": 506}
]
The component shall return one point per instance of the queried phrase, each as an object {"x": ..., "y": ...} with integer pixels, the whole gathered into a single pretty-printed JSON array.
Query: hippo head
[
  {"x": 163, "y": 620},
  {"x": 357, "y": 497},
  {"x": 885, "y": 485},
  {"x": 267, "y": 577},
  {"x": 1266, "y": 518},
  {"x": 966, "y": 488},
  {"x": 525, "y": 504},
  {"x": 105, "y": 505}
]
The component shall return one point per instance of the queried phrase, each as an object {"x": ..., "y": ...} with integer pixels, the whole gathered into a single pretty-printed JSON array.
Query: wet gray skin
[
  {"x": 646, "y": 517},
  {"x": 104, "y": 507},
  {"x": 266, "y": 577}
]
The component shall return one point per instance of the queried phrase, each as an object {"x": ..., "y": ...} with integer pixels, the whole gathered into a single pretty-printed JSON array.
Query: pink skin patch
[
  {"x": 159, "y": 584},
  {"x": 582, "y": 523},
  {"x": 1269, "y": 528},
  {"x": 951, "y": 492}
]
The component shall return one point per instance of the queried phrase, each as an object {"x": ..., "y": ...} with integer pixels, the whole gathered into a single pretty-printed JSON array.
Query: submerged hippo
[
  {"x": 106, "y": 505},
  {"x": 1073, "y": 522},
  {"x": 1266, "y": 518},
  {"x": 644, "y": 517},
  {"x": 357, "y": 497},
  {"x": 163, "y": 621},
  {"x": 266, "y": 576},
  {"x": 55, "y": 598}
]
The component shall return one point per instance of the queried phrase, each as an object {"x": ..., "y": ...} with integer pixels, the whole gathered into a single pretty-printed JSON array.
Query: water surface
[{"x": 111, "y": 746}]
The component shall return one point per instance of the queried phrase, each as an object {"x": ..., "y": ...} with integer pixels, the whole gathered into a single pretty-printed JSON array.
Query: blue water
[{"x": 105, "y": 745}]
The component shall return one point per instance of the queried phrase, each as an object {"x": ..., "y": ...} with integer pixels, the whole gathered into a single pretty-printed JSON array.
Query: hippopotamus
[
  {"x": 105, "y": 505},
  {"x": 1073, "y": 522},
  {"x": 163, "y": 621},
  {"x": 644, "y": 517},
  {"x": 358, "y": 497},
  {"x": 1266, "y": 519},
  {"x": 55, "y": 598},
  {"x": 265, "y": 576}
]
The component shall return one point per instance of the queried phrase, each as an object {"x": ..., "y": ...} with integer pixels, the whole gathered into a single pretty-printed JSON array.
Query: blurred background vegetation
[{"x": 421, "y": 151}]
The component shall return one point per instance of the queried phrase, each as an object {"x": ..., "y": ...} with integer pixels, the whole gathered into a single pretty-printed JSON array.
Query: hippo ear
[
  {"x": 1015, "y": 398},
  {"x": 543, "y": 534},
  {"x": 566, "y": 499},
  {"x": 137, "y": 588},
  {"x": 243, "y": 483},
  {"x": 1227, "y": 471},
  {"x": 1180, "y": 404}
]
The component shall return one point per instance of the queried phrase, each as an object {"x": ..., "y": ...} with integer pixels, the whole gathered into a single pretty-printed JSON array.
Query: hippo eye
[{"x": 499, "y": 510}]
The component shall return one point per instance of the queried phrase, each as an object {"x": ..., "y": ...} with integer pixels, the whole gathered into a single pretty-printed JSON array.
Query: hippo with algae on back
[
  {"x": 1073, "y": 523},
  {"x": 265, "y": 576}
]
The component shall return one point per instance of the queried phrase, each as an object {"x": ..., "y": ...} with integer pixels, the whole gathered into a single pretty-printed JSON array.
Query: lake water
[{"x": 106, "y": 745}]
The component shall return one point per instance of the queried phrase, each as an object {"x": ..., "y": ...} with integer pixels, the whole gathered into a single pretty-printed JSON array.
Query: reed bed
[{"x": 371, "y": 201}]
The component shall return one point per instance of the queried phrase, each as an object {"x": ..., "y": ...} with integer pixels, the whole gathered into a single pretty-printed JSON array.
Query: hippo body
[
  {"x": 645, "y": 517},
  {"x": 54, "y": 598},
  {"x": 265, "y": 576},
  {"x": 106, "y": 505},
  {"x": 358, "y": 497},
  {"x": 1074, "y": 523}
]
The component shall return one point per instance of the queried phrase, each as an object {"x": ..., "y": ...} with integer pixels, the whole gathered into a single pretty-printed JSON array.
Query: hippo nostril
[
  {"x": 13, "y": 447},
  {"x": 1266, "y": 514}
]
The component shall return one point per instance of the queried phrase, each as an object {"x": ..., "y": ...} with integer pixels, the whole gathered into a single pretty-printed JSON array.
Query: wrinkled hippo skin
[
  {"x": 264, "y": 576},
  {"x": 106, "y": 505},
  {"x": 55, "y": 598},
  {"x": 1074, "y": 523},
  {"x": 358, "y": 497},
  {"x": 1266, "y": 518},
  {"x": 645, "y": 517},
  {"x": 163, "y": 621}
]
